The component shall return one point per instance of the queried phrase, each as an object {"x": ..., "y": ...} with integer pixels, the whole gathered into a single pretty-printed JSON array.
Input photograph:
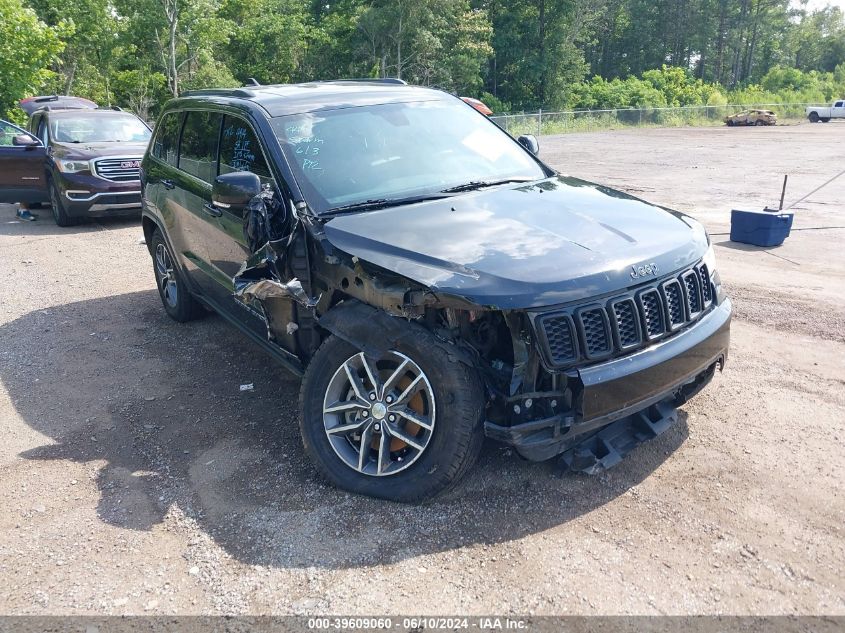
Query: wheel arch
[{"x": 374, "y": 331}]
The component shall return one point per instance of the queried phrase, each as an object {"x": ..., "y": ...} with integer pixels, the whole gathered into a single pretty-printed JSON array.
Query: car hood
[
  {"x": 549, "y": 242},
  {"x": 87, "y": 151}
]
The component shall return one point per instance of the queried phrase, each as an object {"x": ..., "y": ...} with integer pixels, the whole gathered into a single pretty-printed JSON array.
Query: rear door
[
  {"x": 178, "y": 183},
  {"x": 22, "y": 166},
  {"x": 197, "y": 171}
]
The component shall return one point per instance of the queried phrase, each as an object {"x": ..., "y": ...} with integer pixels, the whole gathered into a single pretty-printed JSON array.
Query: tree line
[{"x": 518, "y": 55}]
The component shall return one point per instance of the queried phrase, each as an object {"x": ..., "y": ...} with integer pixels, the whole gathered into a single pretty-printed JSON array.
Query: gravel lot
[{"x": 135, "y": 477}]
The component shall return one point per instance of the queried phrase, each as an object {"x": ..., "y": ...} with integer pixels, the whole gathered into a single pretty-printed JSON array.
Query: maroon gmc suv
[{"x": 82, "y": 159}]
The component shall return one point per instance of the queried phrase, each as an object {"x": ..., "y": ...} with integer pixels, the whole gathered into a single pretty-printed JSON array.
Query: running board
[{"x": 609, "y": 446}]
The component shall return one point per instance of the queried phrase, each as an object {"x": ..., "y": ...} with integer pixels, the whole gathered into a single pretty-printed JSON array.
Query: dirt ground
[{"x": 135, "y": 477}]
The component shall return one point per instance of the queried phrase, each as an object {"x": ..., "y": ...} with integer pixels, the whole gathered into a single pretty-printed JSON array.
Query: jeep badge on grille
[{"x": 643, "y": 270}]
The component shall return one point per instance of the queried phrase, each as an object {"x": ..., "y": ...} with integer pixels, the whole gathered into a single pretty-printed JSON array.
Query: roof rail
[
  {"x": 219, "y": 92},
  {"x": 375, "y": 80}
]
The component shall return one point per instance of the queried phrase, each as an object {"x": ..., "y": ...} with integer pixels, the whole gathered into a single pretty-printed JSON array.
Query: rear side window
[
  {"x": 167, "y": 138},
  {"x": 198, "y": 150},
  {"x": 240, "y": 149}
]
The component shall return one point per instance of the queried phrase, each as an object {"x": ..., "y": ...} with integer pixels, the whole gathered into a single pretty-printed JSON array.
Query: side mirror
[
  {"x": 235, "y": 190},
  {"x": 25, "y": 140},
  {"x": 529, "y": 142}
]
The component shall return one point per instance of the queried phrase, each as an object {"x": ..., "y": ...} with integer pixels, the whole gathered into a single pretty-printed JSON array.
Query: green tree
[{"x": 28, "y": 47}]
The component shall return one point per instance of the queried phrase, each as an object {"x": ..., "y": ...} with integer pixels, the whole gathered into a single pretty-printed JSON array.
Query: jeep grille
[{"x": 625, "y": 323}]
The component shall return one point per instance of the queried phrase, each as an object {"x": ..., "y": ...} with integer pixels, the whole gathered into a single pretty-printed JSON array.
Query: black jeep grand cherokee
[{"x": 431, "y": 279}]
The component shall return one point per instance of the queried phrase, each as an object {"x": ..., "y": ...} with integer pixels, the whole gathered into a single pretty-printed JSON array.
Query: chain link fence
[{"x": 540, "y": 123}]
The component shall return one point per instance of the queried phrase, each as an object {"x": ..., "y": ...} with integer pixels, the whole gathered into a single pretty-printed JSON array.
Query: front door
[
  {"x": 226, "y": 247},
  {"x": 22, "y": 166}
]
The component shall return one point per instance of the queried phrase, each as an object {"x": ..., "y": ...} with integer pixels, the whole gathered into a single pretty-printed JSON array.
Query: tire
[
  {"x": 760, "y": 123},
  {"x": 731, "y": 123},
  {"x": 826, "y": 120},
  {"x": 177, "y": 300},
  {"x": 814, "y": 117},
  {"x": 450, "y": 398},
  {"x": 57, "y": 207}
]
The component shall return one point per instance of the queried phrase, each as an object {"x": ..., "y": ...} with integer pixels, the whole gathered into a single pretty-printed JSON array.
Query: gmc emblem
[
  {"x": 130, "y": 164},
  {"x": 644, "y": 270}
]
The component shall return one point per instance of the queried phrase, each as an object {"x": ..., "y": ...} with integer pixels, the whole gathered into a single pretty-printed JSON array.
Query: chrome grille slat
[
  {"x": 628, "y": 322},
  {"x": 118, "y": 169}
]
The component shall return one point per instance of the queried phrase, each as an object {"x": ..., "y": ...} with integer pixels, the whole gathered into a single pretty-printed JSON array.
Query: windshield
[
  {"x": 398, "y": 150},
  {"x": 98, "y": 128}
]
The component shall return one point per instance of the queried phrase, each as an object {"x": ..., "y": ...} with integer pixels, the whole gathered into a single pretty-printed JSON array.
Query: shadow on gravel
[
  {"x": 45, "y": 225},
  {"x": 154, "y": 408}
]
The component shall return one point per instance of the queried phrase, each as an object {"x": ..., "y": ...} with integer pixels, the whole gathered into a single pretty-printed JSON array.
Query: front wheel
[
  {"x": 57, "y": 206},
  {"x": 405, "y": 426},
  {"x": 826, "y": 120}
]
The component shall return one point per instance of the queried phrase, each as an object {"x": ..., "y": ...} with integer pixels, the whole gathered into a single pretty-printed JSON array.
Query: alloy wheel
[
  {"x": 166, "y": 276},
  {"x": 379, "y": 415}
]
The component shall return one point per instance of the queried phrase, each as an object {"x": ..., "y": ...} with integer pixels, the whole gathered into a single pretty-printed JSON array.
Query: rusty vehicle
[
  {"x": 431, "y": 280},
  {"x": 752, "y": 117}
]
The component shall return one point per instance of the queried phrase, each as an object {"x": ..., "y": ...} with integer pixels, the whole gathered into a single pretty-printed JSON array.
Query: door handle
[
  {"x": 168, "y": 184},
  {"x": 210, "y": 209}
]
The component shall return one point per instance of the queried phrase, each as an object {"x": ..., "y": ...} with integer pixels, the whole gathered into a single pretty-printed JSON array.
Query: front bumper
[
  {"x": 663, "y": 375},
  {"x": 91, "y": 196}
]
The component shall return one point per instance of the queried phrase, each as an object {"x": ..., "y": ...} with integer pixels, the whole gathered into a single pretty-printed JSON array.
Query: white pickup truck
[{"x": 824, "y": 114}]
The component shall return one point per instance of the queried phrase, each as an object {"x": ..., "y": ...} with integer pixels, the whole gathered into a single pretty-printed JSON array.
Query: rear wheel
[
  {"x": 404, "y": 427},
  {"x": 731, "y": 123},
  {"x": 57, "y": 206},
  {"x": 175, "y": 296},
  {"x": 760, "y": 122},
  {"x": 814, "y": 117}
]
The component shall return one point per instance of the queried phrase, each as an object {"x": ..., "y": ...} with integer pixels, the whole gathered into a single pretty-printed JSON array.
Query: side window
[
  {"x": 198, "y": 150},
  {"x": 838, "y": 104},
  {"x": 8, "y": 132},
  {"x": 241, "y": 151},
  {"x": 166, "y": 141}
]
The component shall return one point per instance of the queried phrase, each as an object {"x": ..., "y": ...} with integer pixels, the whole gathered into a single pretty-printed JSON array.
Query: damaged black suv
[{"x": 430, "y": 278}]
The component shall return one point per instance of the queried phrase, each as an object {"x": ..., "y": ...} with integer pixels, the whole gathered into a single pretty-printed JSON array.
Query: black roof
[{"x": 282, "y": 99}]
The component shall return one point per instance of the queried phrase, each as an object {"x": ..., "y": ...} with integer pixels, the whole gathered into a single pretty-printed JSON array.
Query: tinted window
[
  {"x": 166, "y": 143},
  {"x": 240, "y": 149},
  {"x": 838, "y": 104},
  {"x": 198, "y": 150}
]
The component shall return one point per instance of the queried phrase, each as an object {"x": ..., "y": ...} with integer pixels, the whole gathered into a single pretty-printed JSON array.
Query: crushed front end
[{"x": 592, "y": 380}]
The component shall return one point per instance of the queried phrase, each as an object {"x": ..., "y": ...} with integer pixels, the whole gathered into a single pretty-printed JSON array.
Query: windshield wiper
[
  {"x": 480, "y": 184},
  {"x": 381, "y": 203}
]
